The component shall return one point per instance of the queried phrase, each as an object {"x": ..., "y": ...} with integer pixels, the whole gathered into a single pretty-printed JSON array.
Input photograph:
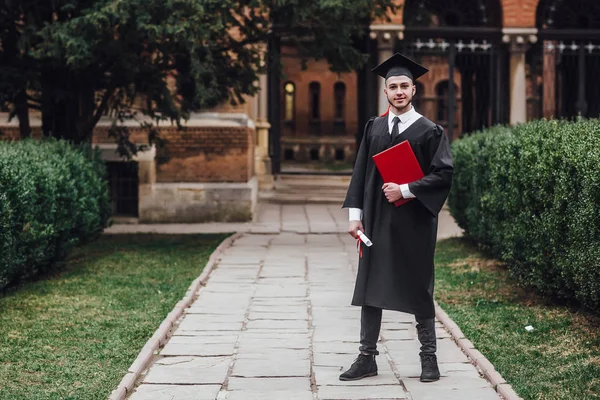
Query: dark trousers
[{"x": 370, "y": 325}]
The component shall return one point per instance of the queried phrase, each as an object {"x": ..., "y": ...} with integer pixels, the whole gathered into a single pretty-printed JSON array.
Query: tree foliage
[{"x": 77, "y": 60}]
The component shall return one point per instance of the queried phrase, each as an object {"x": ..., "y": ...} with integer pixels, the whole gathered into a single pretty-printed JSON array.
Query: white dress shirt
[{"x": 406, "y": 119}]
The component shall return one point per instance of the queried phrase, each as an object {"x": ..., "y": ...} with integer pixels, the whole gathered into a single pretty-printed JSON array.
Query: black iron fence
[
  {"x": 466, "y": 88},
  {"x": 562, "y": 79}
]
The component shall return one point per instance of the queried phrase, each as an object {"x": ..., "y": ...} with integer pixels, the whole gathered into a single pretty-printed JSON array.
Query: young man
[{"x": 396, "y": 272}]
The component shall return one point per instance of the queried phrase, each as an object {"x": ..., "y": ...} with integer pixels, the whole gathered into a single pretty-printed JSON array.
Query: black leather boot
[
  {"x": 429, "y": 368},
  {"x": 363, "y": 367},
  {"x": 426, "y": 333}
]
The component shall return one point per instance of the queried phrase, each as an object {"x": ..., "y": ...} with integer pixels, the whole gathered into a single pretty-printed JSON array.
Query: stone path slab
[
  {"x": 170, "y": 392},
  {"x": 274, "y": 322}
]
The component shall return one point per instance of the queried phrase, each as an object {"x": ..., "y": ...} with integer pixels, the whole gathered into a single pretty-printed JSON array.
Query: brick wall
[
  {"x": 208, "y": 154},
  {"x": 12, "y": 132},
  {"x": 317, "y": 71},
  {"x": 516, "y": 13},
  {"x": 136, "y": 135},
  {"x": 100, "y": 134},
  {"x": 519, "y": 13},
  {"x": 197, "y": 154}
]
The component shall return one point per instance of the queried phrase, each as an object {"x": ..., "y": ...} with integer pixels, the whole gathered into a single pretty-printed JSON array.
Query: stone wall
[{"x": 197, "y": 202}]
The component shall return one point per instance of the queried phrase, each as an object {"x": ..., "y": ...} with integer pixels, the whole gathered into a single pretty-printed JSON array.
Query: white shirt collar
[{"x": 404, "y": 118}]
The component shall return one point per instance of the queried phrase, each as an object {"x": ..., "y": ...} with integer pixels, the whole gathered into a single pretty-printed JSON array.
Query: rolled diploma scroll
[{"x": 364, "y": 239}]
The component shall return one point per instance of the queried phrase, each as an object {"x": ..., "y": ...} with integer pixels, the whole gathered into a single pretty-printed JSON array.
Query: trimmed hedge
[
  {"x": 53, "y": 196},
  {"x": 531, "y": 195}
]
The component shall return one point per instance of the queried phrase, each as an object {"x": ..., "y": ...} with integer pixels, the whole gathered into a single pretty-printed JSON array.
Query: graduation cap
[{"x": 398, "y": 65}]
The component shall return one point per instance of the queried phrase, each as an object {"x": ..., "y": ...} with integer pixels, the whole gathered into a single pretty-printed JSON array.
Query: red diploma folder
[{"x": 399, "y": 165}]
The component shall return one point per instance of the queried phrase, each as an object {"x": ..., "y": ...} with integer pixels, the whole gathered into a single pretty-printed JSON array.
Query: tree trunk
[
  {"x": 22, "y": 110},
  {"x": 68, "y": 109},
  {"x": 13, "y": 59},
  {"x": 86, "y": 121},
  {"x": 57, "y": 119}
]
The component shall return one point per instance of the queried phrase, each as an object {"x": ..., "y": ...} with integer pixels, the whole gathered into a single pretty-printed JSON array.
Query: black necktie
[{"x": 395, "y": 130}]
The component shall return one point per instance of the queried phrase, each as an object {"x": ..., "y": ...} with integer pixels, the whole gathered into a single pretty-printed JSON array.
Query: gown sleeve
[
  {"x": 356, "y": 189},
  {"x": 432, "y": 190}
]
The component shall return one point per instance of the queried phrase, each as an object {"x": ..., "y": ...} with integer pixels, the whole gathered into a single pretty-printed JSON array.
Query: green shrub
[
  {"x": 52, "y": 197},
  {"x": 531, "y": 195}
]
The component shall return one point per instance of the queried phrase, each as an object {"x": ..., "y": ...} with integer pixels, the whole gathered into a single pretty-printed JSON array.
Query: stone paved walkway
[
  {"x": 274, "y": 322},
  {"x": 276, "y": 218}
]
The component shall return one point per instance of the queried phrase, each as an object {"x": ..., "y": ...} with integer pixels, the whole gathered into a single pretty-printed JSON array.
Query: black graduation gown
[{"x": 396, "y": 273}]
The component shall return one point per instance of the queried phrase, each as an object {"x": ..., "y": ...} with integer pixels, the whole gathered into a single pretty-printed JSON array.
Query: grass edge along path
[
  {"x": 558, "y": 359},
  {"x": 74, "y": 334}
]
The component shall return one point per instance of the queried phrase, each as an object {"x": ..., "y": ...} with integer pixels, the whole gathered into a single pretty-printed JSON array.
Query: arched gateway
[{"x": 459, "y": 41}]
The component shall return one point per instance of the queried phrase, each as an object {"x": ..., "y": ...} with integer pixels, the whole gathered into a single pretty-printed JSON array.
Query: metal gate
[
  {"x": 477, "y": 68},
  {"x": 124, "y": 187},
  {"x": 563, "y": 79},
  {"x": 563, "y": 65}
]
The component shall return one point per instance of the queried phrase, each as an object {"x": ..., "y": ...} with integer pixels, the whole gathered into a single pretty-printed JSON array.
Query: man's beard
[{"x": 407, "y": 106}]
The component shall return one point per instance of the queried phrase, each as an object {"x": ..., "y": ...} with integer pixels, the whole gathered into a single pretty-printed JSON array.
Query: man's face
[{"x": 399, "y": 91}]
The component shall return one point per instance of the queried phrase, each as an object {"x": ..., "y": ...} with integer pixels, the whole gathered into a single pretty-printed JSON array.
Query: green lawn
[
  {"x": 73, "y": 335},
  {"x": 559, "y": 359}
]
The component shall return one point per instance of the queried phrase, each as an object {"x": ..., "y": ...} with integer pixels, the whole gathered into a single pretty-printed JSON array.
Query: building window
[
  {"x": 339, "y": 95},
  {"x": 289, "y": 155},
  {"x": 315, "y": 107},
  {"x": 124, "y": 184},
  {"x": 339, "y": 91},
  {"x": 315, "y": 100},
  {"x": 314, "y": 154},
  {"x": 290, "y": 102}
]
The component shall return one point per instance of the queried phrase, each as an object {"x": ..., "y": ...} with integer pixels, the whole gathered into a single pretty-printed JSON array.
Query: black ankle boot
[
  {"x": 426, "y": 333},
  {"x": 429, "y": 368},
  {"x": 364, "y": 366}
]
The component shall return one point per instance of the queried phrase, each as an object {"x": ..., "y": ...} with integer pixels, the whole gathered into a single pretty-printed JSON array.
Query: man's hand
[
  {"x": 354, "y": 227},
  {"x": 392, "y": 192}
]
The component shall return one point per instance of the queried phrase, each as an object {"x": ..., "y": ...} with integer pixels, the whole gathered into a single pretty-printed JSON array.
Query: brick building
[{"x": 510, "y": 61}]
